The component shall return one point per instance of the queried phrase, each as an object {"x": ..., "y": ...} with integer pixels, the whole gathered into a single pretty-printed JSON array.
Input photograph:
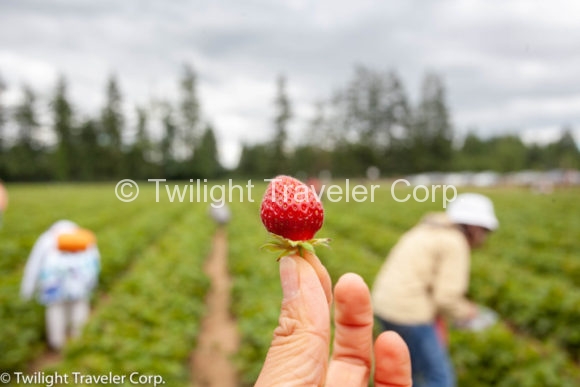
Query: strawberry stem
[{"x": 285, "y": 246}]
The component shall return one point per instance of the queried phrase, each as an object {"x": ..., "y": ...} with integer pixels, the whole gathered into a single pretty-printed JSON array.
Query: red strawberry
[{"x": 291, "y": 211}]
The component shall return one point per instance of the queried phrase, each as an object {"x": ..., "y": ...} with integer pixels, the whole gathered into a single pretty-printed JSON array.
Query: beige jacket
[{"x": 426, "y": 273}]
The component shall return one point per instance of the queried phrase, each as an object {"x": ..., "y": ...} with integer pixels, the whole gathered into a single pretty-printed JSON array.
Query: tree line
[{"x": 370, "y": 121}]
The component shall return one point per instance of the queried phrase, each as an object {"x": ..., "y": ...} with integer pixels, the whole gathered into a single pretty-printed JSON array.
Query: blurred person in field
[
  {"x": 3, "y": 201},
  {"x": 62, "y": 271},
  {"x": 316, "y": 186},
  {"x": 220, "y": 212},
  {"x": 426, "y": 276}
]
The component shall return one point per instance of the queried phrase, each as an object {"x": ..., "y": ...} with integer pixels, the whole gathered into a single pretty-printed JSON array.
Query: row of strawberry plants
[
  {"x": 493, "y": 357},
  {"x": 256, "y": 292},
  {"x": 546, "y": 309},
  {"x": 539, "y": 232},
  {"x": 536, "y": 231},
  {"x": 499, "y": 358},
  {"x": 33, "y": 208},
  {"x": 151, "y": 318},
  {"x": 22, "y": 337}
]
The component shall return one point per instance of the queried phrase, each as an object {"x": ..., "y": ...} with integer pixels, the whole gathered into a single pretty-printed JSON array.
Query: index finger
[{"x": 351, "y": 358}]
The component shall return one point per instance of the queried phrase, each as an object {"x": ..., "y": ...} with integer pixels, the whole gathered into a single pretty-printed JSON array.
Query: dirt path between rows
[
  {"x": 211, "y": 363},
  {"x": 46, "y": 359}
]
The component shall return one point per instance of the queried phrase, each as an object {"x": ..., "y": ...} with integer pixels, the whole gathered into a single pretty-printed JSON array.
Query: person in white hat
[{"x": 426, "y": 275}]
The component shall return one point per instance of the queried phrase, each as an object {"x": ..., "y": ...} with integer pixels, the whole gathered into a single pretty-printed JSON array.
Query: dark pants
[{"x": 430, "y": 361}]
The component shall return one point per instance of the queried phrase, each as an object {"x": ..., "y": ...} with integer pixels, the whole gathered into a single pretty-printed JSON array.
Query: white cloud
[
  {"x": 518, "y": 112},
  {"x": 546, "y": 135},
  {"x": 25, "y": 70}
]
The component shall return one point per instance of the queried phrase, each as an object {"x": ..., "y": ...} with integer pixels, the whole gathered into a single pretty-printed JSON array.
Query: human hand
[{"x": 299, "y": 353}]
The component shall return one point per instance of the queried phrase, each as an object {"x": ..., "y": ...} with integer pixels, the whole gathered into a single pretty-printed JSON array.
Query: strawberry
[{"x": 292, "y": 212}]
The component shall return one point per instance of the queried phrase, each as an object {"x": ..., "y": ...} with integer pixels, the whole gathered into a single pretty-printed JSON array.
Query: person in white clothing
[
  {"x": 62, "y": 271},
  {"x": 220, "y": 212}
]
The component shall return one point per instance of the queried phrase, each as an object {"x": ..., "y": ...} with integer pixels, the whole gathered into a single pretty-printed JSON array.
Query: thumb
[
  {"x": 299, "y": 349},
  {"x": 305, "y": 304}
]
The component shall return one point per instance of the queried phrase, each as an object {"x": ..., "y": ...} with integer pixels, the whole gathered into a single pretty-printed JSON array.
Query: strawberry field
[{"x": 150, "y": 300}]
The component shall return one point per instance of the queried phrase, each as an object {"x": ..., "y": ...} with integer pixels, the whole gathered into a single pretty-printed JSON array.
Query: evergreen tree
[
  {"x": 283, "y": 116},
  {"x": 190, "y": 111},
  {"x": 536, "y": 157},
  {"x": 167, "y": 144},
  {"x": 110, "y": 137},
  {"x": 313, "y": 153},
  {"x": 138, "y": 165},
  {"x": 205, "y": 157},
  {"x": 63, "y": 127},
  {"x": 432, "y": 131},
  {"x": 319, "y": 131},
  {"x": 370, "y": 110},
  {"x": 375, "y": 102},
  {"x": 506, "y": 153},
  {"x": 26, "y": 161},
  {"x": 474, "y": 155},
  {"x": 568, "y": 155},
  {"x": 89, "y": 156},
  {"x": 252, "y": 162}
]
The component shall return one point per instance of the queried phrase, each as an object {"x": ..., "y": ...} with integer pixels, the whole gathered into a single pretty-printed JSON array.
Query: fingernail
[{"x": 289, "y": 277}]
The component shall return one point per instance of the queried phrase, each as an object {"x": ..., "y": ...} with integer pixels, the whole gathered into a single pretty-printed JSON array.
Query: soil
[
  {"x": 211, "y": 363},
  {"x": 48, "y": 358}
]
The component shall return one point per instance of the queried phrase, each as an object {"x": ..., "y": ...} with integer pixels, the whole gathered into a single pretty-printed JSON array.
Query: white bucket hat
[{"x": 473, "y": 209}]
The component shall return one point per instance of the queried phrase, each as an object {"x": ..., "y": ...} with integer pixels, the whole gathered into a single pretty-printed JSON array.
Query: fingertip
[
  {"x": 352, "y": 289},
  {"x": 349, "y": 280},
  {"x": 393, "y": 361},
  {"x": 350, "y": 277},
  {"x": 392, "y": 342}
]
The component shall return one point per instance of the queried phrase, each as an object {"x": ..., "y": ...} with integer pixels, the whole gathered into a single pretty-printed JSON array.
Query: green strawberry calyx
[{"x": 285, "y": 246}]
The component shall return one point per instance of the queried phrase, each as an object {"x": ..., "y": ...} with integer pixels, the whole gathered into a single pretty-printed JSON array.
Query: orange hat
[{"x": 77, "y": 240}]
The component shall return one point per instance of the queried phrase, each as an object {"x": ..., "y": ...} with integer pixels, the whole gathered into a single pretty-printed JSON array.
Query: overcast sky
[{"x": 507, "y": 65}]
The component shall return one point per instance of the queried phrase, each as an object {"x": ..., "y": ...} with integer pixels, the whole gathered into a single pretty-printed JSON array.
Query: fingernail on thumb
[{"x": 289, "y": 277}]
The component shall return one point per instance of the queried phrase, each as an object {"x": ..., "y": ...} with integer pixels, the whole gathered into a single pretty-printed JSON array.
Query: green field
[{"x": 150, "y": 299}]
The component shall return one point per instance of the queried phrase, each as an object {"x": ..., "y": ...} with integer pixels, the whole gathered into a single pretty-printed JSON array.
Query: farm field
[{"x": 150, "y": 301}]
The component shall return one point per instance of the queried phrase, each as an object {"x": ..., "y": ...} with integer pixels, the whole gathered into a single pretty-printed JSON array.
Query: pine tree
[
  {"x": 432, "y": 131},
  {"x": 138, "y": 165},
  {"x": 111, "y": 134},
  {"x": 26, "y": 159},
  {"x": 205, "y": 158},
  {"x": 63, "y": 127},
  {"x": 278, "y": 159},
  {"x": 373, "y": 113},
  {"x": 89, "y": 153},
  {"x": 567, "y": 150},
  {"x": 168, "y": 142},
  {"x": 190, "y": 111}
]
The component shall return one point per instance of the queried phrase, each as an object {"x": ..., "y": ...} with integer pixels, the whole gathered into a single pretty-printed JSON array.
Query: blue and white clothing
[
  {"x": 67, "y": 276},
  {"x": 58, "y": 276}
]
